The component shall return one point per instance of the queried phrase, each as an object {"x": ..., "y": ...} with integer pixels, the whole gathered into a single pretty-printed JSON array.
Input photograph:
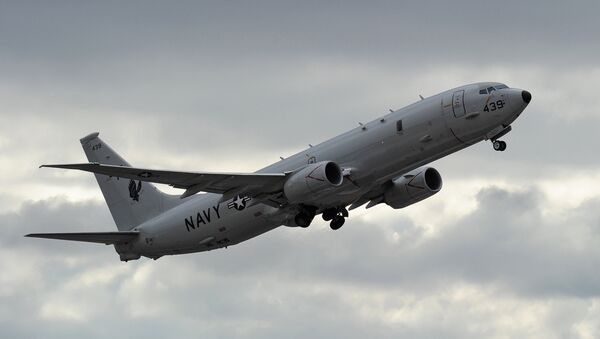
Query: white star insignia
[{"x": 239, "y": 202}]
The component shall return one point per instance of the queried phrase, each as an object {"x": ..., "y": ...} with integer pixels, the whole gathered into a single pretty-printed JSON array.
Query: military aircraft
[{"x": 381, "y": 161}]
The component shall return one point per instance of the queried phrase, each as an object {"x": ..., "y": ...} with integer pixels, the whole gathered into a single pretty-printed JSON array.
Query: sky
[{"x": 508, "y": 248}]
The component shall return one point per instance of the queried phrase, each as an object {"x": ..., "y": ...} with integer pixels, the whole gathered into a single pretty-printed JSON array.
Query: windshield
[{"x": 491, "y": 89}]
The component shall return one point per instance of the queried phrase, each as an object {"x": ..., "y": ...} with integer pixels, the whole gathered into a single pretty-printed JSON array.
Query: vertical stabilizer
[{"x": 130, "y": 202}]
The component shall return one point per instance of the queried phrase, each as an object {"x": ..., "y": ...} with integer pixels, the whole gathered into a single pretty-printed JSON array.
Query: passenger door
[
  {"x": 458, "y": 103},
  {"x": 453, "y": 105}
]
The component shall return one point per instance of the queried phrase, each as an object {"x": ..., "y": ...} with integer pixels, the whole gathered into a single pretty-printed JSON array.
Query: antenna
[{"x": 420, "y": 96}]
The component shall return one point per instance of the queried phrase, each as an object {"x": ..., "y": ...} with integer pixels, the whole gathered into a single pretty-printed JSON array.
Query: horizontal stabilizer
[{"x": 108, "y": 238}]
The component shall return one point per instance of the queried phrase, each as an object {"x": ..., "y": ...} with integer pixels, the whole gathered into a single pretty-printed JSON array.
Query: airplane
[{"x": 379, "y": 162}]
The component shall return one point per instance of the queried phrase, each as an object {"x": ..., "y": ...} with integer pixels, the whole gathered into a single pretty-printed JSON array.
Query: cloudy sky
[{"x": 508, "y": 249}]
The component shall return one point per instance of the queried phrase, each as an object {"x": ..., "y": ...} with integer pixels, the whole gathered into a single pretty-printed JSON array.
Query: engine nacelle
[
  {"x": 413, "y": 187},
  {"x": 312, "y": 180}
]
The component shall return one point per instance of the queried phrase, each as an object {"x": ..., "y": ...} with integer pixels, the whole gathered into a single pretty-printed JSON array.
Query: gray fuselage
[{"x": 372, "y": 154}]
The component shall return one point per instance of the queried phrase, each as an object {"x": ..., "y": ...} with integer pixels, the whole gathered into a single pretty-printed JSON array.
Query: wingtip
[
  {"x": 33, "y": 235},
  {"x": 70, "y": 166}
]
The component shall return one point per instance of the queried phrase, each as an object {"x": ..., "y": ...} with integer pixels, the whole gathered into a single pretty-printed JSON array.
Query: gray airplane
[{"x": 377, "y": 162}]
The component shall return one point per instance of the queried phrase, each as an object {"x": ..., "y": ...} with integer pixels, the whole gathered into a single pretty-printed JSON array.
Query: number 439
[{"x": 492, "y": 106}]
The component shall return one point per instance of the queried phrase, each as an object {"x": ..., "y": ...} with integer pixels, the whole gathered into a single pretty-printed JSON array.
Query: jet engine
[
  {"x": 413, "y": 187},
  {"x": 312, "y": 180}
]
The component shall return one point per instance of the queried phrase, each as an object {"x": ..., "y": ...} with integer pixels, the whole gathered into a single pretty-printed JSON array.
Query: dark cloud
[
  {"x": 187, "y": 78},
  {"x": 464, "y": 30}
]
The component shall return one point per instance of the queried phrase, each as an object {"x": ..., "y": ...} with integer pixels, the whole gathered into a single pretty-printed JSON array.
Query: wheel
[
  {"x": 329, "y": 214},
  {"x": 337, "y": 222},
  {"x": 303, "y": 220},
  {"x": 499, "y": 145}
]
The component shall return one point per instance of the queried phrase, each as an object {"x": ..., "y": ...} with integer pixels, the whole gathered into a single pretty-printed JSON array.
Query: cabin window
[{"x": 399, "y": 126}]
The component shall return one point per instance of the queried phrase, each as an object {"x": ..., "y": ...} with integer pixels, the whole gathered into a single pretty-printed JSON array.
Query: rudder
[{"x": 130, "y": 202}]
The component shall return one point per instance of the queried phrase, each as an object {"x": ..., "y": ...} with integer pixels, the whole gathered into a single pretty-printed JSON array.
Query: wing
[
  {"x": 107, "y": 238},
  {"x": 192, "y": 182}
]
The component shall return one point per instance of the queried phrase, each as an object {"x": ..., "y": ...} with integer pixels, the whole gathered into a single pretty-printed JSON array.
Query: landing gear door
[{"x": 458, "y": 104}]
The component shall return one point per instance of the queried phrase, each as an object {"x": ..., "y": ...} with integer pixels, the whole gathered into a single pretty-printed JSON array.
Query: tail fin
[{"x": 130, "y": 202}]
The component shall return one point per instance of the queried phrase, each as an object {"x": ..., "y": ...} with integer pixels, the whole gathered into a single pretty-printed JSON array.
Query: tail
[{"x": 130, "y": 202}]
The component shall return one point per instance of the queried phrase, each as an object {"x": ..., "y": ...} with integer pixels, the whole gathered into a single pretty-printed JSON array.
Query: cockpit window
[{"x": 490, "y": 89}]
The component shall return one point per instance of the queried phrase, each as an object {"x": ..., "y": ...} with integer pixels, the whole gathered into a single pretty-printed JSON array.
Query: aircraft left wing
[
  {"x": 192, "y": 182},
  {"x": 108, "y": 238}
]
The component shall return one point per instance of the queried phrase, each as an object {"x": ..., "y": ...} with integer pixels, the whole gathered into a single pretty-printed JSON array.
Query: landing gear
[
  {"x": 330, "y": 214},
  {"x": 337, "y": 216},
  {"x": 496, "y": 134},
  {"x": 337, "y": 222},
  {"x": 499, "y": 145}
]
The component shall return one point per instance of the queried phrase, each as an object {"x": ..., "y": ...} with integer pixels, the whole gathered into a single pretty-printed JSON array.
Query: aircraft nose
[{"x": 526, "y": 96}]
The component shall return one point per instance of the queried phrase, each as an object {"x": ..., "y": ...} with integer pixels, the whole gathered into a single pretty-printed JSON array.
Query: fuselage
[{"x": 372, "y": 154}]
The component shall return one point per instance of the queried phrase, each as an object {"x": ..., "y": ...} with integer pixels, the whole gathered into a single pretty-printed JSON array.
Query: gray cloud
[
  {"x": 230, "y": 87},
  {"x": 297, "y": 282},
  {"x": 472, "y": 30}
]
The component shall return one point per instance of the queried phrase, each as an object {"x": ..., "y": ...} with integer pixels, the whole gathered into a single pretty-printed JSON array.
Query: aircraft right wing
[{"x": 228, "y": 184}]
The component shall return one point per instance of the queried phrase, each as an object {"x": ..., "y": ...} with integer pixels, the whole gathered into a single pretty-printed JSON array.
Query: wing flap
[
  {"x": 108, "y": 238},
  {"x": 192, "y": 181}
]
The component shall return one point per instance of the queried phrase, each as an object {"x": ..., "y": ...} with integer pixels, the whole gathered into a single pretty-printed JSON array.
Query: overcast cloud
[{"x": 509, "y": 248}]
